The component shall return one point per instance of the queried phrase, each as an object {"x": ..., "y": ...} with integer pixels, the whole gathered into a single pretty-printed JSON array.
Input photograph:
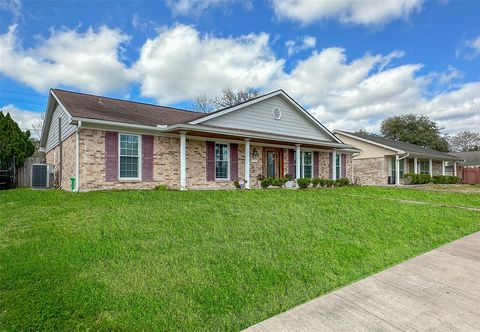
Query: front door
[{"x": 273, "y": 162}]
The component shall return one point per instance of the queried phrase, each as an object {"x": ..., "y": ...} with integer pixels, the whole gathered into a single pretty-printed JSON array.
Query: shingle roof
[
  {"x": 404, "y": 146},
  {"x": 470, "y": 157},
  {"x": 110, "y": 109}
]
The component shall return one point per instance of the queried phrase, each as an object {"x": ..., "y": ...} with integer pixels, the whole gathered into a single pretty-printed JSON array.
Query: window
[
  {"x": 402, "y": 170},
  {"x": 338, "y": 168},
  {"x": 221, "y": 162},
  {"x": 306, "y": 165},
  {"x": 129, "y": 156},
  {"x": 424, "y": 167}
]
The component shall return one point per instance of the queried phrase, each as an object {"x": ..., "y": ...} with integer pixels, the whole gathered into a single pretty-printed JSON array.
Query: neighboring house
[
  {"x": 469, "y": 158},
  {"x": 380, "y": 158},
  {"x": 110, "y": 143},
  {"x": 469, "y": 168}
]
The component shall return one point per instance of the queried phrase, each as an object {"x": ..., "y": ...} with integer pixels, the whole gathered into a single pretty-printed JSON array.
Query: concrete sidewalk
[{"x": 439, "y": 291}]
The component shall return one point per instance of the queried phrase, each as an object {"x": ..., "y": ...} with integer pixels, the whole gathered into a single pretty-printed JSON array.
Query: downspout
[
  {"x": 77, "y": 162},
  {"x": 353, "y": 167}
]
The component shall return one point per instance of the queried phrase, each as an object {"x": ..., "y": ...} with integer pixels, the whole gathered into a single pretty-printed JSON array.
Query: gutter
[
  {"x": 77, "y": 161},
  {"x": 186, "y": 127}
]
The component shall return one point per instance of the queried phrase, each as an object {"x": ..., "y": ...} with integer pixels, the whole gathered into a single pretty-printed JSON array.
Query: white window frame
[
  {"x": 338, "y": 173},
  {"x": 228, "y": 161},
  {"x": 302, "y": 163},
  {"x": 420, "y": 167},
  {"x": 140, "y": 157}
]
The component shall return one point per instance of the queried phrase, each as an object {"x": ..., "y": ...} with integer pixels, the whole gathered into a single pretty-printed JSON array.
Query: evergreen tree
[{"x": 13, "y": 141}]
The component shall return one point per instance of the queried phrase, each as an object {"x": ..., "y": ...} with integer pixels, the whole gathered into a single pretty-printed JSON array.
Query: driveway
[{"x": 439, "y": 290}]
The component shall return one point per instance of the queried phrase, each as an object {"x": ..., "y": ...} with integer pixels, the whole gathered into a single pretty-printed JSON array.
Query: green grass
[{"x": 200, "y": 260}]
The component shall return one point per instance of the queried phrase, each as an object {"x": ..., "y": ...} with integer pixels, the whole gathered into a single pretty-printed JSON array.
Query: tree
[
  {"x": 465, "y": 141},
  {"x": 364, "y": 132},
  {"x": 226, "y": 98},
  {"x": 13, "y": 141},
  {"x": 415, "y": 129}
]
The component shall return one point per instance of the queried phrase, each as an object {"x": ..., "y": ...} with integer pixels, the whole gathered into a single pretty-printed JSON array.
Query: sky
[{"x": 351, "y": 64}]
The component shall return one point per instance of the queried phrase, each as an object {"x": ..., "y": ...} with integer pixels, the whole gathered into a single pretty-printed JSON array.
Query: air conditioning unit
[{"x": 42, "y": 176}]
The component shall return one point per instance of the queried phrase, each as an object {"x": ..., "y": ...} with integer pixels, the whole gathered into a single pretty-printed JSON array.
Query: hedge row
[{"x": 411, "y": 178}]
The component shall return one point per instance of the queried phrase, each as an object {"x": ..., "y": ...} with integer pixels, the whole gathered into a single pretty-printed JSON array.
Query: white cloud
[
  {"x": 12, "y": 6},
  {"x": 474, "y": 48},
  {"x": 196, "y": 7},
  {"x": 358, "y": 94},
  {"x": 306, "y": 43},
  {"x": 180, "y": 64},
  {"x": 25, "y": 119},
  {"x": 88, "y": 61},
  {"x": 346, "y": 11}
]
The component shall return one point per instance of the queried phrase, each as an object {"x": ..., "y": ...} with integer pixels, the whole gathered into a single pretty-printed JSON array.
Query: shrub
[
  {"x": 265, "y": 182},
  {"x": 328, "y": 183},
  {"x": 444, "y": 179},
  {"x": 279, "y": 182},
  {"x": 411, "y": 178},
  {"x": 303, "y": 183},
  {"x": 342, "y": 182},
  {"x": 237, "y": 184},
  {"x": 161, "y": 187},
  {"x": 316, "y": 182},
  {"x": 289, "y": 177}
]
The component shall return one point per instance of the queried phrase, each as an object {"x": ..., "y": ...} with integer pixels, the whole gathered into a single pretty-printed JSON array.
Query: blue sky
[{"x": 350, "y": 63}]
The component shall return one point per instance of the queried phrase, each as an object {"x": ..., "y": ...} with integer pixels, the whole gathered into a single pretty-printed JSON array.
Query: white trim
[
  {"x": 297, "y": 162},
  {"x": 443, "y": 167},
  {"x": 367, "y": 141},
  {"x": 430, "y": 167},
  {"x": 282, "y": 93},
  {"x": 77, "y": 155},
  {"x": 228, "y": 161},
  {"x": 221, "y": 131},
  {"x": 247, "y": 163},
  {"x": 334, "y": 164},
  {"x": 183, "y": 160},
  {"x": 415, "y": 165},
  {"x": 139, "y": 178},
  {"x": 397, "y": 170}
]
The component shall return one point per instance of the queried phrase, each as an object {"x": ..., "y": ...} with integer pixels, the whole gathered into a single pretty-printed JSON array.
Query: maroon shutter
[
  {"x": 344, "y": 165},
  {"x": 291, "y": 162},
  {"x": 210, "y": 161},
  {"x": 315, "y": 164},
  {"x": 233, "y": 162},
  {"x": 330, "y": 165},
  {"x": 147, "y": 158},
  {"x": 111, "y": 156}
]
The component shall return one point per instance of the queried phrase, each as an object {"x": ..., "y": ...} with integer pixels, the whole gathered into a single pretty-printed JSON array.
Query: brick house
[
  {"x": 107, "y": 143},
  {"x": 380, "y": 157}
]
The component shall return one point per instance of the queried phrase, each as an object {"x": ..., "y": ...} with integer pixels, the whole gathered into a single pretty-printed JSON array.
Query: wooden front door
[{"x": 272, "y": 162}]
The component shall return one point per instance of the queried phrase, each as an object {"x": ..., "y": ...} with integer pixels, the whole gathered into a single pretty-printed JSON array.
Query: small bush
[
  {"x": 237, "y": 184},
  {"x": 265, "y": 182},
  {"x": 279, "y": 182},
  {"x": 161, "y": 187},
  {"x": 316, "y": 182},
  {"x": 328, "y": 183},
  {"x": 411, "y": 178},
  {"x": 342, "y": 182},
  {"x": 289, "y": 177},
  {"x": 444, "y": 179},
  {"x": 303, "y": 183}
]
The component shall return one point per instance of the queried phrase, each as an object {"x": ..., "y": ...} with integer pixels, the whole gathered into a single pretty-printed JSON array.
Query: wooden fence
[
  {"x": 469, "y": 175},
  {"x": 24, "y": 173}
]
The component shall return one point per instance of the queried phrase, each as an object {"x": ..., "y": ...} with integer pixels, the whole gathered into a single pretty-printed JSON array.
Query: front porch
[{"x": 415, "y": 165}]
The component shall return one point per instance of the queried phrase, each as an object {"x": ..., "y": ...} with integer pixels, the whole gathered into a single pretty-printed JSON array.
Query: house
[
  {"x": 469, "y": 168},
  {"x": 106, "y": 143},
  {"x": 380, "y": 158}
]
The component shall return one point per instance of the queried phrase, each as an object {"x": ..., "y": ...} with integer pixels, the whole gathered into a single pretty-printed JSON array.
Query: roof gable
[{"x": 257, "y": 114}]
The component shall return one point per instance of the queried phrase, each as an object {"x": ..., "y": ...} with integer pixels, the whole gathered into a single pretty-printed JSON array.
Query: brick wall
[
  {"x": 373, "y": 171},
  {"x": 68, "y": 158}
]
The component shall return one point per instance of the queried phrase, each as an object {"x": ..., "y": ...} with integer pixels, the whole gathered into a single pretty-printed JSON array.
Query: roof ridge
[{"x": 126, "y": 100}]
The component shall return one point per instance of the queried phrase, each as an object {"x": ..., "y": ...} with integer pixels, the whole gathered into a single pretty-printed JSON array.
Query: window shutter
[
  {"x": 210, "y": 161},
  {"x": 315, "y": 164},
  {"x": 330, "y": 165},
  {"x": 291, "y": 162},
  {"x": 233, "y": 162},
  {"x": 344, "y": 165},
  {"x": 111, "y": 156},
  {"x": 147, "y": 158}
]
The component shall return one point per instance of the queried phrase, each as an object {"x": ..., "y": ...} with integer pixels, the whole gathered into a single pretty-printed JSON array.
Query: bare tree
[
  {"x": 227, "y": 98},
  {"x": 465, "y": 141},
  {"x": 37, "y": 126}
]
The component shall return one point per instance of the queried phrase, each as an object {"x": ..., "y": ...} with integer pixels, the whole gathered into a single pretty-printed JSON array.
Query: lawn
[{"x": 201, "y": 260}]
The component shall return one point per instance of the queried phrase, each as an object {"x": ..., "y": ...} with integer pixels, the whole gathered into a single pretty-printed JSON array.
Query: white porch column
[
  {"x": 405, "y": 166},
  {"x": 183, "y": 160},
  {"x": 397, "y": 170},
  {"x": 430, "y": 167},
  {"x": 334, "y": 164},
  {"x": 454, "y": 168},
  {"x": 297, "y": 162},
  {"x": 247, "y": 163},
  {"x": 443, "y": 167},
  {"x": 415, "y": 165}
]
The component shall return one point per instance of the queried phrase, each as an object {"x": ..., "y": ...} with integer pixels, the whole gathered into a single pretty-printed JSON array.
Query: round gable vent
[{"x": 277, "y": 113}]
